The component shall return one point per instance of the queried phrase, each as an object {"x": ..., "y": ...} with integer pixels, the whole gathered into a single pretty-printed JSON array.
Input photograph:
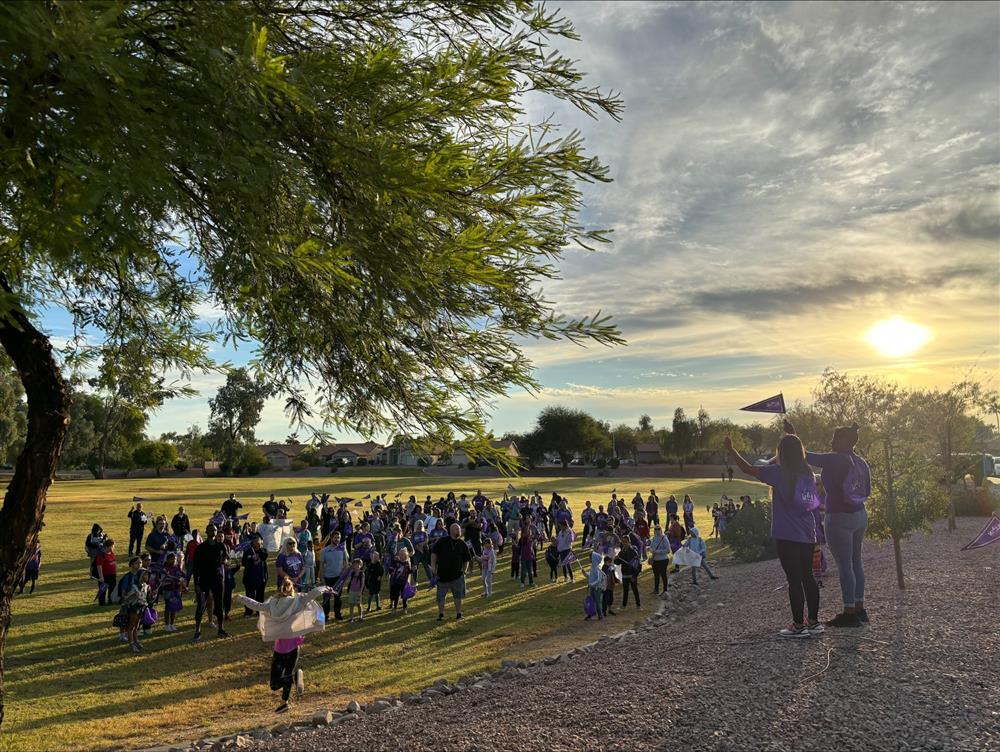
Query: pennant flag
[
  {"x": 989, "y": 534},
  {"x": 244, "y": 516},
  {"x": 138, "y": 498},
  {"x": 241, "y": 547},
  {"x": 360, "y": 504},
  {"x": 366, "y": 496},
  {"x": 510, "y": 488},
  {"x": 568, "y": 559},
  {"x": 399, "y": 494},
  {"x": 775, "y": 404},
  {"x": 614, "y": 490}
]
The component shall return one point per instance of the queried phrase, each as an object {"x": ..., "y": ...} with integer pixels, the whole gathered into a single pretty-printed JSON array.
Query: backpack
[{"x": 857, "y": 485}]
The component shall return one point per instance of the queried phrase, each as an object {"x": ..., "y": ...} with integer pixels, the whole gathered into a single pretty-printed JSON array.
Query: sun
[{"x": 897, "y": 337}]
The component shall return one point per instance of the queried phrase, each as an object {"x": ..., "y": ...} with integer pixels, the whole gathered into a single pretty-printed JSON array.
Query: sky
[{"x": 785, "y": 176}]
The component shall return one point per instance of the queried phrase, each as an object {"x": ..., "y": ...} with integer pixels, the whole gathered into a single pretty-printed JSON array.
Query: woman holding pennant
[{"x": 793, "y": 527}]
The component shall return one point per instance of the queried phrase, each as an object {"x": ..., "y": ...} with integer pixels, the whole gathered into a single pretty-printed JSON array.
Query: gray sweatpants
[{"x": 845, "y": 532}]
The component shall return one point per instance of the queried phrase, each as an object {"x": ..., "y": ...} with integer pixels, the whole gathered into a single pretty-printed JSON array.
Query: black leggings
[
  {"x": 796, "y": 560},
  {"x": 660, "y": 573},
  {"x": 206, "y": 588},
  {"x": 283, "y": 672},
  {"x": 396, "y": 593},
  {"x": 630, "y": 582}
]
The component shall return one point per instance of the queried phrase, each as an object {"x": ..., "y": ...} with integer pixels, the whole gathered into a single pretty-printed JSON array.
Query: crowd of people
[
  {"x": 357, "y": 556},
  {"x": 337, "y": 550}
]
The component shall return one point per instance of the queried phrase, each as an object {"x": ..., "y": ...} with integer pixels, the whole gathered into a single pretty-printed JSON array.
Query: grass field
[{"x": 72, "y": 685}]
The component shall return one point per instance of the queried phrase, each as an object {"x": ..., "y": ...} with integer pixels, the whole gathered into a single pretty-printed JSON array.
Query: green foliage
[
  {"x": 423, "y": 462},
  {"x": 601, "y": 462},
  {"x": 471, "y": 464},
  {"x": 358, "y": 186},
  {"x": 310, "y": 456},
  {"x": 252, "y": 460},
  {"x": 13, "y": 412},
  {"x": 361, "y": 462},
  {"x": 298, "y": 464},
  {"x": 103, "y": 432},
  {"x": 236, "y": 411},
  {"x": 567, "y": 432},
  {"x": 154, "y": 454},
  {"x": 749, "y": 533},
  {"x": 181, "y": 465},
  {"x": 683, "y": 436},
  {"x": 614, "y": 463}
]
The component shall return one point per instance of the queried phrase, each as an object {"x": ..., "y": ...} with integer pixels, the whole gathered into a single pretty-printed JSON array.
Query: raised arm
[
  {"x": 251, "y": 603},
  {"x": 741, "y": 463}
]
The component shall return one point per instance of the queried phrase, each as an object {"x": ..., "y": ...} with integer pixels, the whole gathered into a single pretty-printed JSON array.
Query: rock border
[{"x": 687, "y": 598}]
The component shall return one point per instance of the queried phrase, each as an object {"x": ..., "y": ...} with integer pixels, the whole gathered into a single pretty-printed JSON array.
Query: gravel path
[{"x": 923, "y": 675}]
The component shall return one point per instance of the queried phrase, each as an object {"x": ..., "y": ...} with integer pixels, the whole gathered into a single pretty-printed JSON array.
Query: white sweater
[{"x": 284, "y": 618}]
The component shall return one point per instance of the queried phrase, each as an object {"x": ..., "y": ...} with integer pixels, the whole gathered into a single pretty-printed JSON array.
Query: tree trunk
[
  {"x": 949, "y": 474},
  {"x": 48, "y": 417},
  {"x": 891, "y": 499}
]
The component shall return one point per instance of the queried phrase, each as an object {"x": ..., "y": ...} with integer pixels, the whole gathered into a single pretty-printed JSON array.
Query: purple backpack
[
  {"x": 589, "y": 606},
  {"x": 857, "y": 485}
]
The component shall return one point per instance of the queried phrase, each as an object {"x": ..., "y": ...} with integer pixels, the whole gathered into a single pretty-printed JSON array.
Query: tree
[
  {"x": 13, "y": 411},
  {"x": 625, "y": 439},
  {"x": 644, "y": 430},
  {"x": 754, "y": 435},
  {"x": 310, "y": 456},
  {"x": 682, "y": 437},
  {"x": 155, "y": 454},
  {"x": 568, "y": 432},
  {"x": 236, "y": 410},
  {"x": 355, "y": 186},
  {"x": 97, "y": 440},
  {"x": 703, "y": 421},
  {"x": 945, "y": 416}
]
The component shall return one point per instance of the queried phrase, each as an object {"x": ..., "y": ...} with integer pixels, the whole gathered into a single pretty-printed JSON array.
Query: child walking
[
  {"x": 488, "y": 565},
  {"x": 374, "y": 573},
  {"x": 285, "y": 620},
  {"x": 31, "y": 569},
  {"x": 135, "y": 601},
  {"x": 697, "y": 544}
]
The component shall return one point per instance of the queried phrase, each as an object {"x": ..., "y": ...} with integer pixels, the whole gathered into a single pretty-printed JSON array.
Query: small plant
[
  {"x": 299, "y": 465},
  {"x": 614, "y": 463},
  {"x": 601, "y": 462},
  {"x": 181, "y": 465},
  {"x": 748, "y": 534},
  {"x": 471, "y": 464}
]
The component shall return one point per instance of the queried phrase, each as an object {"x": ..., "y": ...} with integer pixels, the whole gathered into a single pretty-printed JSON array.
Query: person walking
[
  {"x": 209, "y": 581},
  {"x": 136, "y": 529},
  {"x": 254, "y": 571},
  {"x": 659, "y": 547}
]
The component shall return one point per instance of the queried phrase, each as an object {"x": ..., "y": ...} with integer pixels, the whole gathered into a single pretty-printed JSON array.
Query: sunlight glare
[{"x": 898, "y": 337}]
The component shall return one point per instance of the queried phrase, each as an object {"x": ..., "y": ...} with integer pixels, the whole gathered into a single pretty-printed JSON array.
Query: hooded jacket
[
  {"x": 595, "y": 578},
  {"x": 284, "y": 618}
]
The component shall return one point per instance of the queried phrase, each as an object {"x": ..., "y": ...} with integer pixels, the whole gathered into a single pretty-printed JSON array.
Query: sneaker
[
  {"x": 223, "y": 633},
  {"x": 282, "y": 708},
  {"x": 816, "y": 628},
  {"x": 844, "y": 620},
  {"x": 794, "y": 630},
  {"x": 440, "y": 617},
  {"x": 300, "y": 682},
  {"x": 197, "y": 637},
  {"x": 136, "y": 648},
  {"x": 862, "y": 616},
  {"x": 122, "y": 637},
  {"x": 458, "y": 615}
]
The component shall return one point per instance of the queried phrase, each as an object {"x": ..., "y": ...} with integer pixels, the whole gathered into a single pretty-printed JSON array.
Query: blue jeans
[
  {"x": 844, "y": 533},
  {"x": 598, "y": 595},
  {"x": 526, "y": 570}
]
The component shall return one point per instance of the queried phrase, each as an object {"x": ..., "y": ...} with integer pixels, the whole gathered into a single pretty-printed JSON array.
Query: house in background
[
  {"x": 403, "y": 453},
  {"x": 368, "y": 451},
  {"x": 280, "y": 455},
  {"x": 648, "y": 454},
  {"x": 508, "y": 447}
]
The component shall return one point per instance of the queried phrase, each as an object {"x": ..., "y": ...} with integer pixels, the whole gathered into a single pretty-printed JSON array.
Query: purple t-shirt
[
  {"x": 835, "y": 466},
  {"x": 291, "y": 563},
  {"x": 789, "y": 521}
]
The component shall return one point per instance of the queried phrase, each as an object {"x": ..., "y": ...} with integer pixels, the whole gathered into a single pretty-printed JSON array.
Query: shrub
[
  {"x": 298, "y": 464},
  {"x": 601, "y": 462},
  {"x": 748, "y": 534},
  {"x": 181, "y": 465},
  {"x": 333, "y": 468},
  {"x": 225, "y": 467},
  {"x": 614, "y": 463},
  {"x": 253, "y": 460},
  {"x": 360, "y": 462},
  {"x": 422, "y": 462},
  {"x": 471, "y": 464},
  {"x": 976, "y": 503}
]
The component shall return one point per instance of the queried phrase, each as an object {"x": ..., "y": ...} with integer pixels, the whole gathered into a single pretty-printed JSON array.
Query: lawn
[{"x": 72, "y": 685}]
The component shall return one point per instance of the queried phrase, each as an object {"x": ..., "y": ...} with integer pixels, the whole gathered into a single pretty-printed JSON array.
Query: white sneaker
[
  {"x": 794, "y": 631},
  {"x": 300, "y": 685},
  {"x": 122, "y": 637}
]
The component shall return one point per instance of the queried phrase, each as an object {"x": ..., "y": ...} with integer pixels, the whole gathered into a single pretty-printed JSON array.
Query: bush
[
  {"x": 471, "y": 464},
  {"x": 225, "y": 467},
  {"x": 614, "y": 463},
  {"x": 360, "y": 462},
  {"x": 748, "y": 534},
  {"x": 181, "y": 465},
  {"x": 333, "y": 468},
  {"x": 253, "y": 460},
  {"x": 601, "y": 462},
  {"x": 298, "y": 464},
  {"x": 422, "y": 462},
  {"x": 976, "y": 503}
]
